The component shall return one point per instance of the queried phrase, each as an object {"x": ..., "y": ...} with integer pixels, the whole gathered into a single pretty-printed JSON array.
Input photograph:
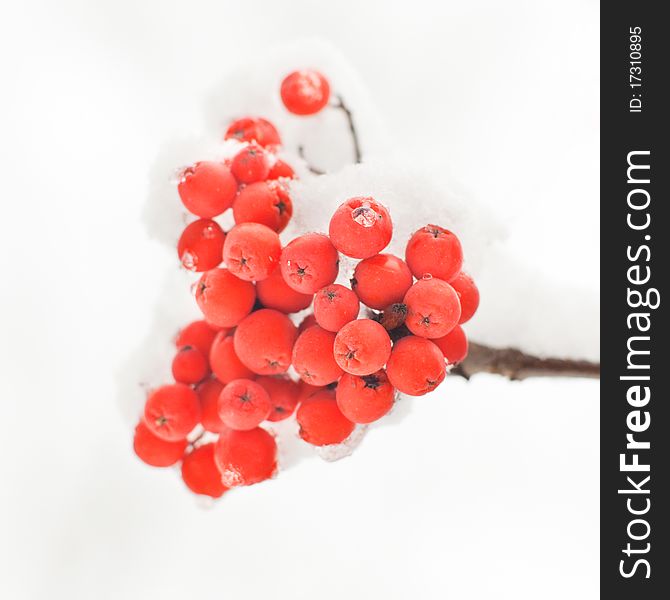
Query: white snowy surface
[{"x": 486, "y": 489}]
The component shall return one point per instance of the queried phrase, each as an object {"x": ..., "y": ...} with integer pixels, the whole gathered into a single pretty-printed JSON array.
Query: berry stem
[{"x": 341, "y": 105}]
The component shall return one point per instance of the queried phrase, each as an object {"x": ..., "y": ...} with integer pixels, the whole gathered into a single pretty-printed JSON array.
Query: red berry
[
  {"x": 468, "y": 294},
  {"x": 250, "y": 164},
  {"x": 361, "y": 227},
  {"x": 172, "y": 411},
  {"x": 321, "y": 421},
  {"x": 334, "y": 306},
  {"x": 223, "y": 298},
  {"x": 365, "y": 399},
  {"x": 313, "y": 357},
  {"x": 200, "y": 473},
  {"x": 362, "y": 347},
  {"x": 454, "y": 345},
  {"x": 254, "y": 129},
  {"x": 251, "y": 251},
  {"x": 433, "y": 308},
  {"x": 207, "y": 189},
  {"x": 434, "y": 251},
  {"x": 281, "y": 169},
  {"x": 245, "y": 457},
  {"x": 284, "y": 393},
  {"x": 305, "y": 92},
  {"x": 264, "y": 342},
  {"x": 274, "y": 292},
  {"x": 201, "y": 245},
  {"x": 309, "y": 263},
  {"x": 189, "y": 365},
  {"x": 307, "y": 322},
  {"x": 265, "y": 202},
  {"x": 208, "y": 394},
  {"x": 155, "y": 451},
  {"x": 224, "y": 362},
  {"x": 243, "y": 404},
  {"x": 198, "y": 334},
  {"x": 416, "y": 366},
  {"x": 381, "y": 280}
]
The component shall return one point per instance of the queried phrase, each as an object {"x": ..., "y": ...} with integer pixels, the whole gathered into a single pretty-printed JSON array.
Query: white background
[{"x": 489, "y": 490}]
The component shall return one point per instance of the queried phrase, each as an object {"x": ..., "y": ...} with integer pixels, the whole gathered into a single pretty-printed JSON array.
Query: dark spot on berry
[
  {"x": 301, "y": 271},
  {"x": 353, "y": 281},
  {"x": 202, "y": 287},
  {"x": 371, "y": 381},
  {"x": 425, "y": 321},
  {"x": 330, "y": 294},
  {"x": 280, "y": 409},
  {"x": 160, "y": 421},
  {"x": 185, "y": 348},
  {"x": 281, "y": 207},
  {"x": 431, "y": 383},
  {"x": 245, "y": 397},
  {"x": 435, "y": 232},
  {"x": 272, "y": 363}
]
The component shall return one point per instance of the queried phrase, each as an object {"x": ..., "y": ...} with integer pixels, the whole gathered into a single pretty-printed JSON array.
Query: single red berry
[
  {"x": 224, "y": 362},
  {"x": 198, "y": 334},
  {"x": 309, "y": 263},
  {"x": 434, "y": 251},
  {"x": 264, "y": 342},
  {"x": 172, "y": 411},
  {"x": 207, "y": 189},
  {"x": 433, "y": 309},
  {"x": 274, "y": 292},
  {"x": 284, "y": 393},
  {"x": 313, "y": 357},
  {"x": 364, "y": 399},
  {"x": 416, "y": 366},
  {"x": 155, "y": 451},
  {"x": 468, "y": 294},
  {"x": 334, "y": 306},
  {"x": 280, "y": 169},
  {"x": 305, "y": 92},
  {"x": 245, "y": 457},
  {"x": 250, "y": 164},
  {"x": 201, "y": 245},
  {"x": 307, "y": 322},
  {"x": 362, "y": 347},
  {"x": 243, "y": 404},
  {"x": 189, "y": 365},
  {"x": 251, "y": 251},
  {"x": 208, "y": 394},
  {"x": 265, "y": 202},
  {"x": 454, "y": 345},
  {"x": 361, "y": 227},
  {"x": 200, "y": 473},
  {"x": 381, "y": 280},
  {"x": 254, "y": 129},
  {"x": 223, "y": 298},
  {"x": 321, "y": 421}
]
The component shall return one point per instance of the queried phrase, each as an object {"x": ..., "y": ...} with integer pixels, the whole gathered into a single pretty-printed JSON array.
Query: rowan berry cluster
[{"x": 252, "y": 359}]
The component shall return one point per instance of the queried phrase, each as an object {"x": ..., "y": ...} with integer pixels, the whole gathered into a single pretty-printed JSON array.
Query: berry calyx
[
  {"x": 305, "y": 92},
  {"x": 313, "y": 357},
  {"x": 364, "y": 399},
  {"x": 454, "y": 345},
  {"x": 251, "y": 251},
  {"x": 361, "y": 227},
  {"x": 243, "y": 404},
  {"x": 265, "y": 202},
  {"x": 224, "y": 362},
  {"x": 381, "y": 280},
  {"x": 468, "y": 294},
  {"x": 198, "y": 334},
  {"x": 433, "y": 308},
  {"x": 362, "y": 347},
  {"x": 189, "y": 365},
  {"x": 334, "y": 306},
  {"x": 207, "y": 189},
  {"x": 250, "y": 164},
  {"x": 284, "y": 394},
  {"x": 435, "y": 251},
  {"x": 201, "y": 245},
  {"x": 208, "y": 394},
  {"x": 172, "y": 411},
  {"x": 223, "y": 298},
  {"x": 200, "y": 473},
  {"x": 309, "y": 263},
  {"x": 254, "y": 129},
  {"x": 245, "y": 457},
  {"x": 416, "y": 366},
  {"x": 274, "y": 292},
  {"x": 321, "y": 421},
  {"x": 155, "y": 451}
]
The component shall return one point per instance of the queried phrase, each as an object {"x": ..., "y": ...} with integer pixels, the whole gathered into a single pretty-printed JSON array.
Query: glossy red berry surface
[
  {"x": 454, "y": 345},
  {"x": 254, "y": 129},
  {"x": 264, "y": 341},
  {"x": 284, "y": 394},
  {"x": 172, "y": 411},
  {"x": 200, "y": 473},
  {"x": 321, "y": 421},
  {"x": 435, "y": 251},
  {"x": 361, "y": 227},
  {"x": 468, "y": 294},
  {"x": 200, "y": 246},
  {"x": 155, "y": 451},
  {"x": 365, "y": 399},
  {"x": 265, "y": 202},
  {"x": 223, "y": 298},
  {"x": 243, "y": 404},
  {"x": 274, "y": 292},
  {"x": 362, "y": 347},
  {"x": 309, "y": 263},
  {"x": 313, "y": 357},
  {"x": 245, "y": 457},
  {"x": 208, "y": 394},
  {"x": 416, "y": 366},
  {"x": 305, "y": 92},
  {"x": 250, "y": 164},
  {"x": 381, "y": 280},
  {"x": 251, "y": 251},
  {"x": 433, "y": 308},
  {"x": 198, "y": 334},
  {"x": 224, "y": 361},
  {"x": 189, "y": 365},
  {"x": 207, "y": 189},
  {"x": 281, "y": 169}
]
